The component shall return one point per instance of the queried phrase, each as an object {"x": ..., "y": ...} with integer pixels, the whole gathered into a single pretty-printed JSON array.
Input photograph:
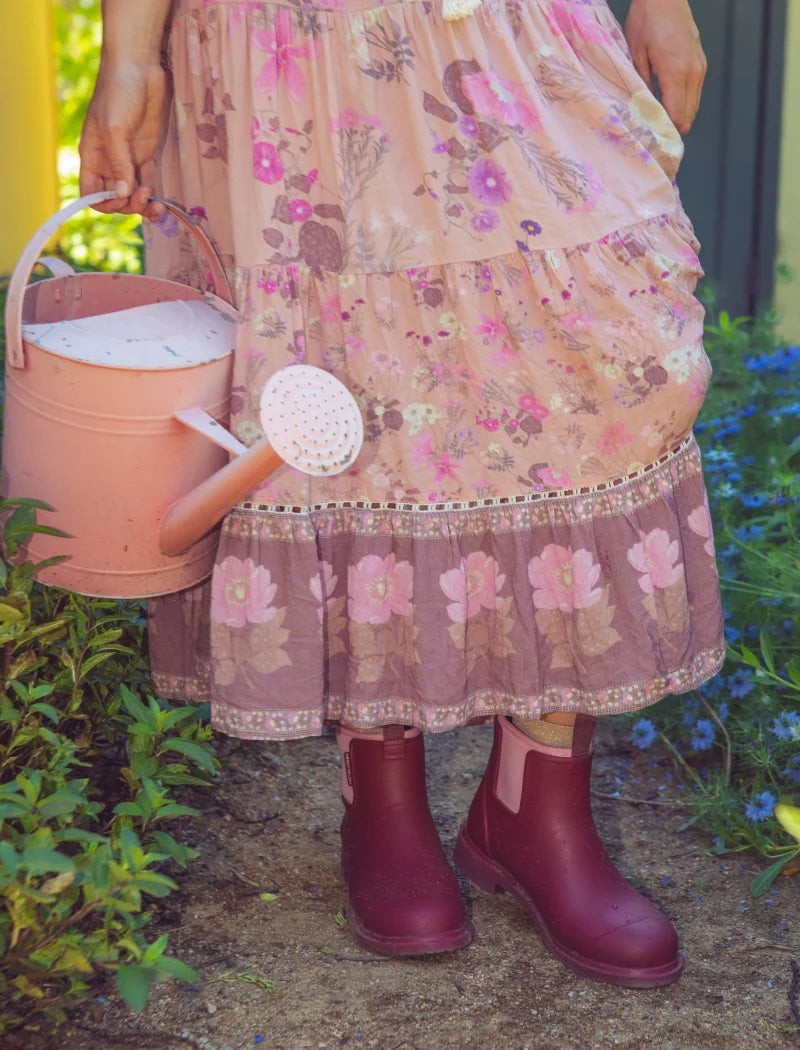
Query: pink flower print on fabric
[
  {"x": 267, "y": 163},
  {"x": 473, "y": 586},
  {"x": 241, "y": 593},
  {"x": 565, "y": 19},
  {"x": 529, "y": 403},
  {"x": 378, "y": 587},
  {"x": 505, "y": 100},
  {"x": 300, "y": 210},
  {"x": 657, "y": 558},
  {"x": 351, "y": 118},
  {"x": 555, "y": 477},
  {"x": 699, "y": 521},
  {"x": 487, "y": 182},
  {"x": 281, "y": 61},
  {"x": 493, "y": 327},
  {"x": 564, "y": 579},
  {"x": 322, "y": 587},
  {"x": 612, "y": 436}
]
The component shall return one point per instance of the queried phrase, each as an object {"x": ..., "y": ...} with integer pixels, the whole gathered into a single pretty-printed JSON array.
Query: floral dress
[{"x": 474, "y": 225}]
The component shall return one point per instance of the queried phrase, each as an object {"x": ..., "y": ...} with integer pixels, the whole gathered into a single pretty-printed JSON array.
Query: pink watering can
[{"x": 116, "y": 401}]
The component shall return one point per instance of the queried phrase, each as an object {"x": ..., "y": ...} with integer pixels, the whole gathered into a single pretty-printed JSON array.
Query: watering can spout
[
  {"x": 311, "y": 423},
  {"x": 192, "y": 516}
]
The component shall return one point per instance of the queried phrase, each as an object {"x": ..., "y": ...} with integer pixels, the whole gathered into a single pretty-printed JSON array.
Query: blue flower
[
  {"x": 761, "y": 807},
  {"x": 704, "y": 735},
  {"x": 689, "y": 718},
  {"x": 782, "y": 725},
  {"x": 740, "y": 683},
  {"x": 731, "y": 633},
  {"x": 747, "y": 461},
  {"x": 748, "y": 532},
  {"x": 793, "y": 772},
  {"x": 723, "y": 711},
  {"x": 757, "y": 500},
  {"x": 643, "y": 733}
]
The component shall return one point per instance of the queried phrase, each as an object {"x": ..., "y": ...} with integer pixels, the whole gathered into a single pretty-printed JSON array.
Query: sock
[{"x": 552, "y": 730}]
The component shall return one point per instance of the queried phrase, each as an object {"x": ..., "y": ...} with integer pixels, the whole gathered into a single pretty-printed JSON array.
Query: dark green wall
[{"x": 729, "y": 177}]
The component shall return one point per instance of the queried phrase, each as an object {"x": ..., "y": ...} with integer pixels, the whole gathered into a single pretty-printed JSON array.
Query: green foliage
[
  {"x": 91, "y": 240},
  {"x": 736, "y": 738},
  {"x": 88, "y": 763}
]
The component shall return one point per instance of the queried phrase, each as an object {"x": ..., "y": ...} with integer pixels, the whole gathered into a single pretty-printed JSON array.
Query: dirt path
[{"x": 271, "y": 825}]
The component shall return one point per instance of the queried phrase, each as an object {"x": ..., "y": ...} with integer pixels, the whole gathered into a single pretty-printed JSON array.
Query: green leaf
[
  {"x": 174, "y": 810},
  {"x": 175, "y": 968},
  {"x": 9, "y": 859},
  {"x": 48, "y": 710},
  {"x": 794, "y": 672},
  {"x": 766, "y": 649},
  {"x": 135, "y": 707},
  {"x": 268, "y": 897},
  {"x": 79, "y": 835},
  {"x": 155, "y": 950},
  {"x": 134, "y": 983},
  {"x": 192, "y": 750},
  {"x": 93, "y": 661},
  {"x": 762, "y": 882},
  {"x": 748, "y": 657},
  {"x": 44, "y": 861}
]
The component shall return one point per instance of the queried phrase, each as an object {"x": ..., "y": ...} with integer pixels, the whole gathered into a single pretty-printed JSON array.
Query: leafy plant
[
  {"x": 735, "y": 740},
  {"x": 88, "y": 763}
]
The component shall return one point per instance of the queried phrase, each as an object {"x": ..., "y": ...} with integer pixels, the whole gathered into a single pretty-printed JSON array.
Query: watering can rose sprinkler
[{"x": 117, "y": 394}]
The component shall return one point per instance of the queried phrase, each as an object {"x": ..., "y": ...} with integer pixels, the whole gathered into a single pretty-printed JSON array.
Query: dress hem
[{"x": 480, "y": 705}]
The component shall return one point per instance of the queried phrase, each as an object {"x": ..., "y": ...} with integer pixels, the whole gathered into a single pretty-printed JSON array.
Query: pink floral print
[
  {"x": 699, "y": 521},
  {"x": 378, "y": 587},
  {"x": 657, "y": 558},
  {"x": 473, "y": 586},
  {"x": 476, "y": 229},
  {"x": 564, "y": 579},
  {"x": 282, "y": 63},
  {"x": 241, "y": 593},
  {"x": 506, "y": 100}
]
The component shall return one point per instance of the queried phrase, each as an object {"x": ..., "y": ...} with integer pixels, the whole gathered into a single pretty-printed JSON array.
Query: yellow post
[
  {"x": 788, "y": 295},
  {"x": 28, "y": 124}
]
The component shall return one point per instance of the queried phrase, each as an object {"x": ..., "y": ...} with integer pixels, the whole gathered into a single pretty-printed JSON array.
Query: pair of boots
[{"x": 529, "y": 832}]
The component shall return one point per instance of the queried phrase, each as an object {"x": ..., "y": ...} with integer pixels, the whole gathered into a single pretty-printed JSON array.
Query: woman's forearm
[{"x": 133, "y": 29}]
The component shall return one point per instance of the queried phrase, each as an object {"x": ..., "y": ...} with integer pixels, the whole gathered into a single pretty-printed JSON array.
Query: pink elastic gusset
[{"x": 514, "y": 746}]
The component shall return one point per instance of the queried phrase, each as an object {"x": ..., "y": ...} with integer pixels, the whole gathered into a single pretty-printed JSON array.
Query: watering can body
[{"x": 131, "y": 452}]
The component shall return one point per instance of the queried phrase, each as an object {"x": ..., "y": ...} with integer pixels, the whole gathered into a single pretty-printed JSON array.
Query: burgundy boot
[
  {"x": 530, "y": 832},
  {"x": 404, "y": 897}
]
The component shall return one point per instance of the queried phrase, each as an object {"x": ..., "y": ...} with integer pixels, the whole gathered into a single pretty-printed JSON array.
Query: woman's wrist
[{"x": 133, "y": 32}]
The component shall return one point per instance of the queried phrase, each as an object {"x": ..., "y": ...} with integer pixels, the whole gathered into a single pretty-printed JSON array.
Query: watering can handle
[{"x": 30, "y": 255}]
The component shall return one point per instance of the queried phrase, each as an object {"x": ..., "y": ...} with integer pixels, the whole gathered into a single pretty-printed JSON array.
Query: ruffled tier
[
  {"x": 599, "y": 602},
  {"x": 474, "y": 226}
]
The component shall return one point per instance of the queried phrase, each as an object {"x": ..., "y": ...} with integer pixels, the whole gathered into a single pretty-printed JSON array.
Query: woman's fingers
[{"x": 665, "y": 45}]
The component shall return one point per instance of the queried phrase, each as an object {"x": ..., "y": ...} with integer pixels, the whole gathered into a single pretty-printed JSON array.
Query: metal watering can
[{"x": 116, "y": 400}]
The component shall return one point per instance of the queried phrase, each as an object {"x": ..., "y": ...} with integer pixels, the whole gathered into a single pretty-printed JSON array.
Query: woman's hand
[
  {"x": 121, "y": 133},
  {"x": 665, "y": 44}
]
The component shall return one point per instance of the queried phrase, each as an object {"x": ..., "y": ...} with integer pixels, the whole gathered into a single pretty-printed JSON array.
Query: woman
[{"x": 470, "y": 217}]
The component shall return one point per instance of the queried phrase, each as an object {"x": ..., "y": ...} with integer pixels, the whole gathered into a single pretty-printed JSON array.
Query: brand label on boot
[{"x": 347, "y": 770}]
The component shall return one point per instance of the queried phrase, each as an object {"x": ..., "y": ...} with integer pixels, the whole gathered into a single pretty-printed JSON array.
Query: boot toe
[{"x": 645, "y": 943}]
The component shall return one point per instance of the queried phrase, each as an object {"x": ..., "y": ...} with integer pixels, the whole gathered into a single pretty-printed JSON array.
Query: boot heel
[{"x": 474, "y": 865}]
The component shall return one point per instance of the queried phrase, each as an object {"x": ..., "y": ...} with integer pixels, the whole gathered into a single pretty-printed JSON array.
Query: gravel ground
[{"x": 283, "y": 974}]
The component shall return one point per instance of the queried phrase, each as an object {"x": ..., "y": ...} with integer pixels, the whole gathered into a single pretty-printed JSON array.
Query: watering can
[{"x": 117, "y": 398}]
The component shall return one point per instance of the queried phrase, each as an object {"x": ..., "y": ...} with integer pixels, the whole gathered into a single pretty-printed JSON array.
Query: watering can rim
[{"x": 20, "y": 278}]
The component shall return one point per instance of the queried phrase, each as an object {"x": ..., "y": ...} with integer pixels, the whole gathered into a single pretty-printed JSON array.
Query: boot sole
[
  {"x": 488, "y": 876},
  {"x": 449, "y": 941}
]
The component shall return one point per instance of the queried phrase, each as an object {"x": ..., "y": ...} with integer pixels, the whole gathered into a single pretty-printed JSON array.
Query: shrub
[
  {"x": 88, "y": 764},
  {"x": 736, "y": 739}
]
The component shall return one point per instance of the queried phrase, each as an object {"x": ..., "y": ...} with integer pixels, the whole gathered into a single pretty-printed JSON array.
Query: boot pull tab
[
  {"x": 394, "y": 741},
  {"x": 582, "y": 733}
]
